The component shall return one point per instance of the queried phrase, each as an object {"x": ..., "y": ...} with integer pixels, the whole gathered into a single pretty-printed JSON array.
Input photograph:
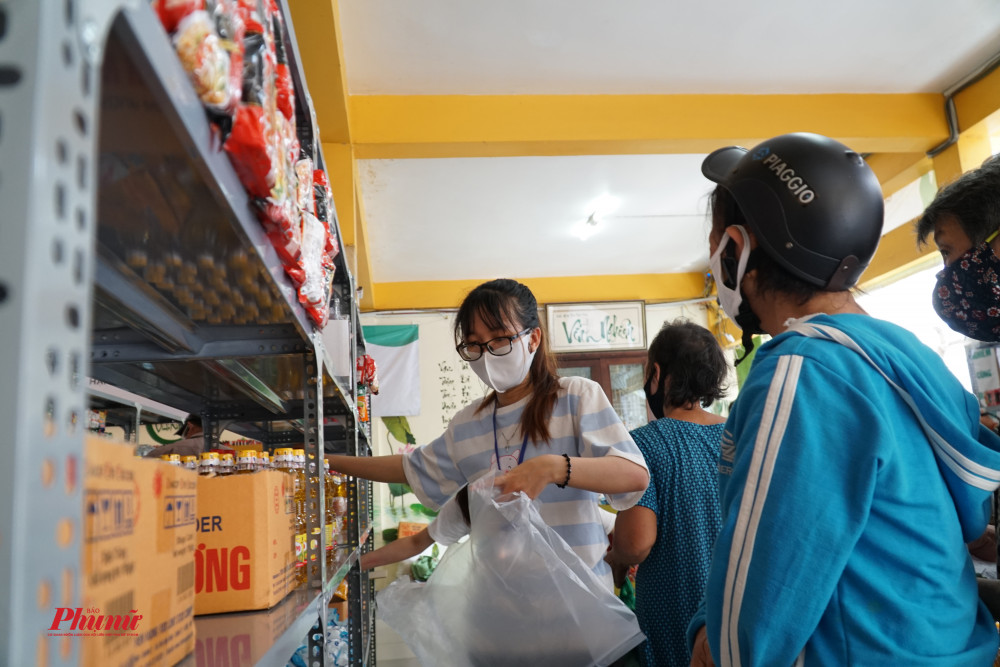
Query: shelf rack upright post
[{"x": 69, "y": 301}]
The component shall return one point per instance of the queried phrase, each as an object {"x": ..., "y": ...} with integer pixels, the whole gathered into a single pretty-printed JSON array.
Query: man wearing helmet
[{"x": 853, "y": 465}]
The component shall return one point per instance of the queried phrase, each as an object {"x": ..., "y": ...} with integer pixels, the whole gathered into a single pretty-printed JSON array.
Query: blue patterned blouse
[{"x": 683, "y": 460}]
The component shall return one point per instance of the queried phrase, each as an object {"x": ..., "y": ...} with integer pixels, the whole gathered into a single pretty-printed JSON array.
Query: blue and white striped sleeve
[
  {"x": 602, "y": 433},
  {"x": 432, "y": 472}
]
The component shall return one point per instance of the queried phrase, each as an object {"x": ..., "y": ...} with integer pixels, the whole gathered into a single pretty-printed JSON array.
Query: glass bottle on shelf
[{"x": 190, "y": 462}]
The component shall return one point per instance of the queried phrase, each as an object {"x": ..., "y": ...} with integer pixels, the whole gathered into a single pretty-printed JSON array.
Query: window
[{"x": 621, "y": 375}]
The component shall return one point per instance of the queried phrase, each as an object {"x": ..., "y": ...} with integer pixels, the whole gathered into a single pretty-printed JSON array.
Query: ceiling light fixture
[{"x": 599, "y": 208}]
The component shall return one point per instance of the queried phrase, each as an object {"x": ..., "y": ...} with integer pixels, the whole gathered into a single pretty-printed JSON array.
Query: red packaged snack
[
  {"x": 248, "y": 150},
  {"x": 285, "y": 94},
  {"x": 229, "y": 27},
  {"x": 314, "y": 292},
  {"x": 304, "y": 185},
  {"x": 283, "y": 227},
  {"x": 171, "y": 12},
  {"x": 252, "y": 15},
  {"x": 206, "y": 60},
  {"x": 321, "y": 195},
  {"x": 249, "y": 144}
]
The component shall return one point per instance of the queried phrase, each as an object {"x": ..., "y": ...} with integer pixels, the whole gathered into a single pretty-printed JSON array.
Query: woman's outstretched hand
[{"x": 532, "y": 476}]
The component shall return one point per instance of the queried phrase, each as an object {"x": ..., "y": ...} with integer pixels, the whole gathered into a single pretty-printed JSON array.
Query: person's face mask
[
  {"x": 967, "y": 296},
  {"x": 655, "y": 399},
  {"x": 730, "y": 297},
  {"x": 504, "y": 373}
]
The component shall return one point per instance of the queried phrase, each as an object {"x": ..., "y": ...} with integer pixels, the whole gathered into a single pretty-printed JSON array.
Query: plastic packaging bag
[{"x": 514, "y": 593}]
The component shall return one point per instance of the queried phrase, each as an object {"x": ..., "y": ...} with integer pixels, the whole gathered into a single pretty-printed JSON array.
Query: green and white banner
[{"x": 395, "y": 350}]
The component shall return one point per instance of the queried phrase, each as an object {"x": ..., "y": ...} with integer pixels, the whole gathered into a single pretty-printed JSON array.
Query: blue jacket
[{"x": 844, "y": 527}]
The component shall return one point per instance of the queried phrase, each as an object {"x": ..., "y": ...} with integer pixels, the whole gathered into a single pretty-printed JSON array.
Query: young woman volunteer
[{"x": 555, "y": 439}]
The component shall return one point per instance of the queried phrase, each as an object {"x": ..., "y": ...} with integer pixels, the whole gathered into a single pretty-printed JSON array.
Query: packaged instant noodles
[
  {"x": 229, "y": 27},
  {"x": 248, "y": 144},
  {"x": 285, "y": 95},
  {"x": 206, "y": 60},
  {"x": 171, "y": 12}
]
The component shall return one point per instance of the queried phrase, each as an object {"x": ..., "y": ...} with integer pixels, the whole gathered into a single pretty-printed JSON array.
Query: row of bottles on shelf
[{"x": 292, "y": 462}]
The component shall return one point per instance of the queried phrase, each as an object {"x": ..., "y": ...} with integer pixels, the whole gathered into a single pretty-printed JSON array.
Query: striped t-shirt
[{"x": 583, "y": 423}]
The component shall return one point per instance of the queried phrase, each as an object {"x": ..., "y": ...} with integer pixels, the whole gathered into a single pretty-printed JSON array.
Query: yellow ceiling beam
[
  {"x": 340, "y": 169},
  {"x": 897, "y": 256},
  {"x": 576, "y": 289},
  {"x": 979, "y": 102},
  {"x": 321, "y": 50},
  {"x": 422, "y": 126},
  {"x": 897, "y": 170}
]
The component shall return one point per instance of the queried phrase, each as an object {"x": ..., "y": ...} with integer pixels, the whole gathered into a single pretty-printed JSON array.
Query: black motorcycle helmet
[{"x": 814, "y": 205}]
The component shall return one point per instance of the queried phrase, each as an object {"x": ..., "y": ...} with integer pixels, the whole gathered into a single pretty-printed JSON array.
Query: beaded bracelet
[{"x": 569, "y": 469}]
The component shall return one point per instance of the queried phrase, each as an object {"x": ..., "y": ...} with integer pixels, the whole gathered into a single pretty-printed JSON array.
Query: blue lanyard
[{"x": 496, "y": 447}]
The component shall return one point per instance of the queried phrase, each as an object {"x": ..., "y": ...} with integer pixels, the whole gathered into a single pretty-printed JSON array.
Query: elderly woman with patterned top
[
  {"x": 670, "y": 531},
  {"x": 558, "y": 440},
  {"x": 964, "y": 220}
]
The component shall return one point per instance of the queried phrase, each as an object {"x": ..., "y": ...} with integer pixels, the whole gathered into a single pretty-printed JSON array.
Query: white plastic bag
[{"x": 513, "y": 594}]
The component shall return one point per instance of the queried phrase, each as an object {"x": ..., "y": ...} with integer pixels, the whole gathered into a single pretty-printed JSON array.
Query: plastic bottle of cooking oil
[
  {"x": 226, "y": 465},
  {"x": 340, "y": 506},
  {"x": 246, "y": 462},
  {"x": 329, "y": 525},
  {"x": 297, "y": 465},
  {"x": 209, "y": 464},
  {"x": 279, "y": 461},
  {"x": 301, "y": 550}
]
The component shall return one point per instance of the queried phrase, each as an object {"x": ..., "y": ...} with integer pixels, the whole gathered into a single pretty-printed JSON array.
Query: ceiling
[{"x": 477, "y": 138}]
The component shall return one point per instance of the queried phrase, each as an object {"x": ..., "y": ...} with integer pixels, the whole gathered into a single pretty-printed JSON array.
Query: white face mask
[
  {"x": 504, "y": 373},
  {"x": 728, "y": 297}
]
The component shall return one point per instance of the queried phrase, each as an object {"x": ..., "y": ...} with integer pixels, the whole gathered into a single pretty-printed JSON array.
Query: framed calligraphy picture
[{"x": 585, "y": 327}]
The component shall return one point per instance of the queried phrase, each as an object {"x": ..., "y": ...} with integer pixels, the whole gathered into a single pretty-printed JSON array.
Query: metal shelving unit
[{"x": 117, "y": 200}]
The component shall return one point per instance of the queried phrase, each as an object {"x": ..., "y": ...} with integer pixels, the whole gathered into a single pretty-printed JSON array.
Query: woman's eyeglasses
[{"x": 498, "y": 347}]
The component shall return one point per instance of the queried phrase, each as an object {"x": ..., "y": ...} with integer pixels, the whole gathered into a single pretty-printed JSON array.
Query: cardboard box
[
  {"x": 408, "y": 528},
  {"x": 244, "y": 639},
  {"x": 137, "y": 553},
  {"x": 244, "y": 558}
]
